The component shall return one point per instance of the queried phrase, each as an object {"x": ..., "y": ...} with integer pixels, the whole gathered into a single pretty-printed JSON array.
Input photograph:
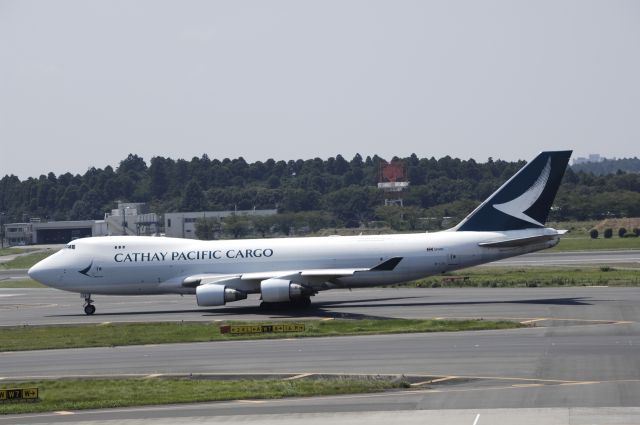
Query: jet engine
[
  {"x": 280, "y": 290},
  {"x": 212, "y": 294}
]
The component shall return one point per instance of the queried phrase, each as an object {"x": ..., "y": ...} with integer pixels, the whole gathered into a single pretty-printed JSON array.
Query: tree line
[
  {"x": 609, "y": 166},
  {"x": 332, "y": 192}
]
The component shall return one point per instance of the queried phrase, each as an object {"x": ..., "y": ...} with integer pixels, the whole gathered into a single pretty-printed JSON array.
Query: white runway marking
[{"x": 475, "y": 422}]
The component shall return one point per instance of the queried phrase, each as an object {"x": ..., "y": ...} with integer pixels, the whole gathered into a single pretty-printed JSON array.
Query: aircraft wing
[{"x": 246, "y": 280}]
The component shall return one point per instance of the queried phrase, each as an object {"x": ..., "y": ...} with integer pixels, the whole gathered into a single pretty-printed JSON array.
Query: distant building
[
  {"x": 594, "y": 157},
  {"x": 132, "y": 218},
  {"x": 127, "y": 219},
  {"x": 52, "y": 232},
  {"x": 392, "y": 180},
  {"x": 183, "y": 224},
  {"x": 17, "y": 234}
]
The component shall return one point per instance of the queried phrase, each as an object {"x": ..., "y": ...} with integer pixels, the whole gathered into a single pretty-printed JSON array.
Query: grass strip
[
  {"x": 12, "y": 251},
  {"x": 518, "y": 277},
  {"x": 26, "y": 261},
  {"x": 569, "y": 243},
  {"x": 76, "y": 394},
  {"x": 19, "y": 338}
]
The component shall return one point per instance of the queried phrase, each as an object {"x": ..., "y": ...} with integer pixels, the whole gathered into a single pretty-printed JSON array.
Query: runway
[
  {"x": 44, "y": 306},
  {"x": 588, "y": 338},
  {"x": 601, "y": 353},
  {"x": 13, "y": 274},
  {"x": 581, "y": 358}
]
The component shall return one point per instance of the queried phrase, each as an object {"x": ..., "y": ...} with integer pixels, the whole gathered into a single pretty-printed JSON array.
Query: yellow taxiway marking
[
  {"x": 582, "y": 383},
  {"x": 64, "y": 412},
  {"x": 446, "y": 378},
  {"x": 513, "y": 378},
  {"x": 326, "y": 318},
  {"x": 153, "y": 375},
  {"x": 529, "y": 385},
  {"x": 302, "y": 375},
  {"x": 524, "y": 322},
  {"x": 434, "y": 381},
  {"x": 418, "y": 384}
]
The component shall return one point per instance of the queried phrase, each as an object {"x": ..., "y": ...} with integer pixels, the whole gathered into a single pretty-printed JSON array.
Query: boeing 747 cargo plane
[{"x": 291, "y": 270}]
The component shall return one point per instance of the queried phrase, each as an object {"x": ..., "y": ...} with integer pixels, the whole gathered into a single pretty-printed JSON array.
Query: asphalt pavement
[{"x": 578, "y": 363}]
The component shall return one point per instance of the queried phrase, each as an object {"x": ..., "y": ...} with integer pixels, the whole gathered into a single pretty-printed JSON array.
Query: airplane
[{"x": 291, "y": 270}]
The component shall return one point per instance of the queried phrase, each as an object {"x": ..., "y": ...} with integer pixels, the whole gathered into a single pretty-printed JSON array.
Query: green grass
[
  {"x": 500, "y": 277},
  {"x": 18, "y": 338},
  {"x": 578, "y": 238},
  {"x": 13, "y": 251},
  {"x": 569, "y": 243},
  {"x": 75, "y": 394},
  {"x": 26, "y": 261},
  {"x": 22, "y": 283}
]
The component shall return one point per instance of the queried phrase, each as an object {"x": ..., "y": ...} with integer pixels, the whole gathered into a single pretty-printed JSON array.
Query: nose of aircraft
[
  {"x": 40, "y": 272},
  {"x": 36, "y": 272}
]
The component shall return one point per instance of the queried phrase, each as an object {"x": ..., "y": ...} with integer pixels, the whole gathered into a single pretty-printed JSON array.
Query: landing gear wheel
[
  {"x": 89, "y": 308},
  {"x": 298, "y": 303},
  {"x": 304, "y": 302}
]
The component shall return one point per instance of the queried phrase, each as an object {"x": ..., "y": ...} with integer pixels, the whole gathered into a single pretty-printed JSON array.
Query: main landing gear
[
  {"x": 296, "y": 303},
  {"x": 89, "y": 308}
]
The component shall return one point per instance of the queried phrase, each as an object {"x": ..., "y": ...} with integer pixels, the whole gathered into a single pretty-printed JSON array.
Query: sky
[{"x": 84, "y": 83}]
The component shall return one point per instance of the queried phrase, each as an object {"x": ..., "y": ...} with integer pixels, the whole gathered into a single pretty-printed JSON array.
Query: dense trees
[
  {"x": 309, "y": 194},
  {"x": 610, "y": 166}
]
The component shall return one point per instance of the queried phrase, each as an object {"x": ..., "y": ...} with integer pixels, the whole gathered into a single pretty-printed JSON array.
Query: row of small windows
[
  {"x": 119, "y": 247},
  {"x": 16, "y": 229}
]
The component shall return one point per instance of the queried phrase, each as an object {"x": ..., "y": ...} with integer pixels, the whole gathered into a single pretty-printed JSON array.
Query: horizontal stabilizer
[{"x": 509, "y": 243}]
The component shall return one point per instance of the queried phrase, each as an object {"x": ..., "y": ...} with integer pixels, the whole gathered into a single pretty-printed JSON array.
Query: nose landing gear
[{"x": 89, "y": 308}]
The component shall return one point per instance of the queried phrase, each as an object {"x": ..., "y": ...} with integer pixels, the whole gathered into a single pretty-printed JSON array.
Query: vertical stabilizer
[{"x": 524, "y": 201}]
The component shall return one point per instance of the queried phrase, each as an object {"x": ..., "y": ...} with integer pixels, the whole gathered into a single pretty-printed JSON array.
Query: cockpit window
[{"x": 71, "y": 246}]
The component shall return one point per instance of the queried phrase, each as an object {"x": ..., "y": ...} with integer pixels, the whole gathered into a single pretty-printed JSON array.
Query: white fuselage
[{"x": 125, "y": 265}]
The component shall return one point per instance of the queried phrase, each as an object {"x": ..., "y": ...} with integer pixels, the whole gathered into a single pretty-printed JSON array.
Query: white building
[
  {"x": 183, "y": 224},
  {"x": 52, "y": 232}
]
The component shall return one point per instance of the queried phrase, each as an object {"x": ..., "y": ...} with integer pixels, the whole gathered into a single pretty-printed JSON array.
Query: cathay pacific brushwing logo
[
  {"x": 91, "y": 271},
  {"x": 516, "y": 207}
]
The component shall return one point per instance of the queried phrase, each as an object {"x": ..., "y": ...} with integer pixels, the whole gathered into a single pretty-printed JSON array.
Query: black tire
[
  {"x": 304, "y": 302},
  {"x": 298, "y": 303},
  {"x": 89, "y": 309}
]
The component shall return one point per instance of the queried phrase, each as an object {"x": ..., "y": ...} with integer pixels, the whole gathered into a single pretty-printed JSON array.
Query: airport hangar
[{"x": 127, "y": 219}]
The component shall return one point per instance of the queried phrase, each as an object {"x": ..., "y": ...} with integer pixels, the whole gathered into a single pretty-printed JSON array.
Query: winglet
[{"x": 388, "y": 265}]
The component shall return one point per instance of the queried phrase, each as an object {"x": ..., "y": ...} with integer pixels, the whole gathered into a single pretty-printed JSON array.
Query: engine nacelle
[
  {"x": 211, "y": 295},
  {"x": 280, "y": 290}
]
